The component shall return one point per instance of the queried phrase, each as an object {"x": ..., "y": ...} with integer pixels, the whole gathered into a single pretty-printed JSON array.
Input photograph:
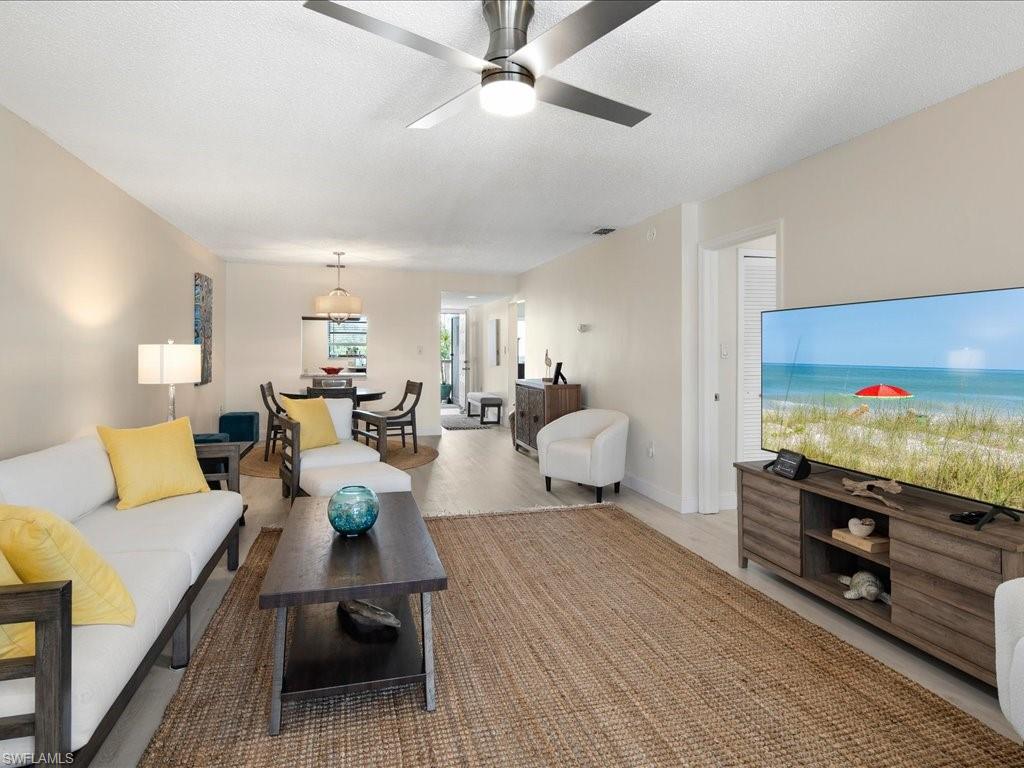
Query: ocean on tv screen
[{"x": 928, "y": 391}]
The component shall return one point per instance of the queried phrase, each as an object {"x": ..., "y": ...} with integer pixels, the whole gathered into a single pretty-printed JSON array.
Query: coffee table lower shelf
[{"x": 324, "y": 660}]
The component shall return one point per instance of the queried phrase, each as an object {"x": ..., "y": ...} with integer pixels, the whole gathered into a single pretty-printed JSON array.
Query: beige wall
[
  {"x": 489, "y": 377},
  {"x": 265, "y": 304},
  {"x": 86, "y": 274},
  {"x": 626, "y": 287},
  {"x": 929, "y": 204}
]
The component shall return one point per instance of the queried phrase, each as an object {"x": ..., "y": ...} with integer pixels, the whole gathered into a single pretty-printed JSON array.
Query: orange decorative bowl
[{"x": 331, "y": 371}]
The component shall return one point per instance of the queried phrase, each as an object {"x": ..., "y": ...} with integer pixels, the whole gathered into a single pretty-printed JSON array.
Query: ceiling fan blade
[
  {"x": 448, "y": 109},
  {"x": 578, "y": 100},
  {"x": 575, "y": 32},
  {"x": 401, "y": 36}
]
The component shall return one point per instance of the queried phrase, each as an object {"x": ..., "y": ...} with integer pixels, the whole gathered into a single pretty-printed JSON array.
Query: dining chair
[
  {"x": 331, "y": 381},
  {"x": 274, "y": 410},
  {"x": 403, "y": 415},
  {"x": 334, "y": 392}
]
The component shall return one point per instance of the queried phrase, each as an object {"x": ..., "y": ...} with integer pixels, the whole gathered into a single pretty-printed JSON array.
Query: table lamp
[{"x": 170, "y": 364}]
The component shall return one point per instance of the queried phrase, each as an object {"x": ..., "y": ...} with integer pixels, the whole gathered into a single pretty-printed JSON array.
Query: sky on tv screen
[{"x": 968, "y": 330}]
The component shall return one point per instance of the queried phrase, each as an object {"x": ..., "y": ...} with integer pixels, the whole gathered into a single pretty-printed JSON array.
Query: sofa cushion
[
  {"x": 380, "y": 477},
  {"x": 69, "y": 480},
  {"x": 345, "y": 452},
  {"x": 193, "y": 525},
  {"x": 104, "y": 657},
  {"x": 340, "y": 409}
]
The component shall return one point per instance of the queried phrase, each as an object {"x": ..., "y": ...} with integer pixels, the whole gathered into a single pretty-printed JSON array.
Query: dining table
[{"x": 363, "y": 395}]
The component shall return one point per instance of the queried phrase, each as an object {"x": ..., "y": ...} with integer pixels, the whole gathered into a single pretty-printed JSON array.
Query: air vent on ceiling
[{"x": 603, "y": 231}]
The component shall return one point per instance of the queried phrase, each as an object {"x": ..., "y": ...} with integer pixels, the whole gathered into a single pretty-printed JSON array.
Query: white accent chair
[
  {"x": 586, "y": 447},
  {"x": 1010, "y": 651}
]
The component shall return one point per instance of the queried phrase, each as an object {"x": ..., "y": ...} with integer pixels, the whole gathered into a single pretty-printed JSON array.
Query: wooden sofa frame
[
  {"x": 291, "y": 458},
  {"x": 49, "y": 606}
]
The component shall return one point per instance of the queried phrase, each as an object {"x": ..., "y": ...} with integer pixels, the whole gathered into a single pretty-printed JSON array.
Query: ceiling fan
[{"x": 513, "y": 72}]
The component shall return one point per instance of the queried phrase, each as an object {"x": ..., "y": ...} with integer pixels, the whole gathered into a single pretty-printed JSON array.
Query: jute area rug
[
  {"x": 253, "y": 464},
  {"x": 576, "y": 637}
]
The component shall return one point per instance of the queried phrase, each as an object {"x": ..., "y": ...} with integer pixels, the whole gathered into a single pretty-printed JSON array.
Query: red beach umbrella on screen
[{"x": 887, "y": 391}]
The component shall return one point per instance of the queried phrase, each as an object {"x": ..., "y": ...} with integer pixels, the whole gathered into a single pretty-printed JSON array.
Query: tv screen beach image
[{"x": 928, "y": 391}]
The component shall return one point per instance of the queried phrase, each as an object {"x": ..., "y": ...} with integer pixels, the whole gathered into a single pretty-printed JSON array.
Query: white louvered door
[{"x": 757, "y": 293}]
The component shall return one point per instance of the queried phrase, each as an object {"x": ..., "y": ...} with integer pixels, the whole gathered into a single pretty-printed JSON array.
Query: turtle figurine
[{"x": 864, "y": 584}]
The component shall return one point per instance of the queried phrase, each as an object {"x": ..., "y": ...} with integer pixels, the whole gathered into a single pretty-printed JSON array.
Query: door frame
[
  {"x": 741, "y": 254},
  {"x": 708, "y": 340}
]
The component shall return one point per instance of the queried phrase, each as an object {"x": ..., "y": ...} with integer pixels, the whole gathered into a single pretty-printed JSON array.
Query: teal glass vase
[{"x": 353, "y": 510}]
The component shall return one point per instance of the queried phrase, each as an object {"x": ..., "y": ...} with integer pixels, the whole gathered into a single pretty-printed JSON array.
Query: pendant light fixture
[{"x": 339, "y": 304}]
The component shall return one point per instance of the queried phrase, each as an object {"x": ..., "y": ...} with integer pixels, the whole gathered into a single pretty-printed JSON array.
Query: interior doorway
[
  {"x": 454, "y": 362},
  {"x": 739, "y": 279}
]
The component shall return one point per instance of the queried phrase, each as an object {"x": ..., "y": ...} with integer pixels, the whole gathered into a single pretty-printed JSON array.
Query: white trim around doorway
[{"x": 709, "y": 498}]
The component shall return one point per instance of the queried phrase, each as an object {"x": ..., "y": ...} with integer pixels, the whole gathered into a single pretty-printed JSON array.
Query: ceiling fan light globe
[{"x": 507, "y": 98}]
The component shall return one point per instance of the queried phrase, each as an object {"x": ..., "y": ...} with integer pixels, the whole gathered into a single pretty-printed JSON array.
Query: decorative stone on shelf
[{"x": 366, "y": 621}]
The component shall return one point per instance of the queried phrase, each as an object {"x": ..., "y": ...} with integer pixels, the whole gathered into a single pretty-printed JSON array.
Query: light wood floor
[{"x": 477, "y": 470}]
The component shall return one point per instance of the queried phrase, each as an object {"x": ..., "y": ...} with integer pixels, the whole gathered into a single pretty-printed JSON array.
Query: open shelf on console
[
  {"x": 880, "y": 558},
  {"x": 828, "y": 586}
]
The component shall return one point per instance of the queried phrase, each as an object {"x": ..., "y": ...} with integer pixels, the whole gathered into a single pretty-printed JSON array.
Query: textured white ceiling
[{"x": 271, "y": 133}]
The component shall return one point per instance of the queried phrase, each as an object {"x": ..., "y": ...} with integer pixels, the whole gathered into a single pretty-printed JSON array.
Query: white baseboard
[
  {"x": 727, "y": 500},
  {"x": 653, "y": 492}
]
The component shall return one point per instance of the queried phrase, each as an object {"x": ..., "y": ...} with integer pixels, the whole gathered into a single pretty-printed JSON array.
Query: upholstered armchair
[
  {"x": 1010, "y": 651},
  {"x": 586, "y": 447}
]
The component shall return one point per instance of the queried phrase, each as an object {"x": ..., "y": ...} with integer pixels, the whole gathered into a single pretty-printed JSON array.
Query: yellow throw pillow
[
  {"x": 153, "y": 463},
  {"x": 43, "y": 547},
  {"x": 15, "y": 639},
  {"x": 317, "y": 427}
]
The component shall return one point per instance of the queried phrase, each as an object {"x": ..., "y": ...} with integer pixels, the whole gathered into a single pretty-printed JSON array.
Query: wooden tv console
[{"x": 941, "y": 575}]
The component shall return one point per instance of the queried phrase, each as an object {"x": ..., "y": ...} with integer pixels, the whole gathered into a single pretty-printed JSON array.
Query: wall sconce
[{"x": 582, "y": 328}]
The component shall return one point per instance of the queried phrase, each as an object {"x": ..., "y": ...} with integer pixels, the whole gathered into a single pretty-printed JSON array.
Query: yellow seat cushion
[
  {"x": 15, "y": 639},
  {"x": 316, "y": 426},
  {"x": 153, "y": 463},
  {"x": 43, "y": 547}
]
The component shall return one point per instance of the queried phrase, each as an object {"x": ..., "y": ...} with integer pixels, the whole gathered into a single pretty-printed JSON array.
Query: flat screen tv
[{"x": 928, "y": 391}]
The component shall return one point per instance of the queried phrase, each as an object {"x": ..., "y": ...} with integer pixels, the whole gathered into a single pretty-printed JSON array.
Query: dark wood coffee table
[{"x": 313, "y": 568}]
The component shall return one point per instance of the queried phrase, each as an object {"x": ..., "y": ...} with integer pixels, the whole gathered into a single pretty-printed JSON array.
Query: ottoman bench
[
  {"x": 377, "y": 476},
  {"x": 483, "y": 401}
]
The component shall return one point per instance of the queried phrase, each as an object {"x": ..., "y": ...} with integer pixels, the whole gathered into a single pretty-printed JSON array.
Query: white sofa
[
  {"x": 322, "y": 471},
  {"x": 163, "y": 552},
  {"x": 1010, "y": 651},
  {"x": 587, "y": 447}
]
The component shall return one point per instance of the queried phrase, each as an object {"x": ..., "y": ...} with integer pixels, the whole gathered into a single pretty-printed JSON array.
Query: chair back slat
[{"x": 334, "y": 393}]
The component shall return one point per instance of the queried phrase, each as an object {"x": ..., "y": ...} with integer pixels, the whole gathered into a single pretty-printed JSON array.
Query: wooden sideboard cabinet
[
  {"x": 540, "y": 402},
  {"x": 941, "y": 576}
]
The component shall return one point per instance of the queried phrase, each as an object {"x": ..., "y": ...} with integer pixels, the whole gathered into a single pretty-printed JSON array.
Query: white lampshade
[
  {"x": 170, "y": 363},
  {"x": 337, "y": 303}
]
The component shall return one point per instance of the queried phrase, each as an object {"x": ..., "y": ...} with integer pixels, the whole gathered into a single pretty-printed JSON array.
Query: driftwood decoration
[{"x": 864, "y": 488}]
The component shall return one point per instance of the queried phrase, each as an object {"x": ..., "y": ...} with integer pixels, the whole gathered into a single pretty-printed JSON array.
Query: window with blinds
[
  {"x": 757, "y": 294},
  {"x": 347, "y": 341}
]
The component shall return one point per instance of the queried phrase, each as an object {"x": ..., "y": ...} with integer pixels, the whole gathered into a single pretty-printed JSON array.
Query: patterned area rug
[
  {"x": 576, "y": 637},
  {"x": 253, "y": 464},
  {"x": 458, "y": 421}
]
